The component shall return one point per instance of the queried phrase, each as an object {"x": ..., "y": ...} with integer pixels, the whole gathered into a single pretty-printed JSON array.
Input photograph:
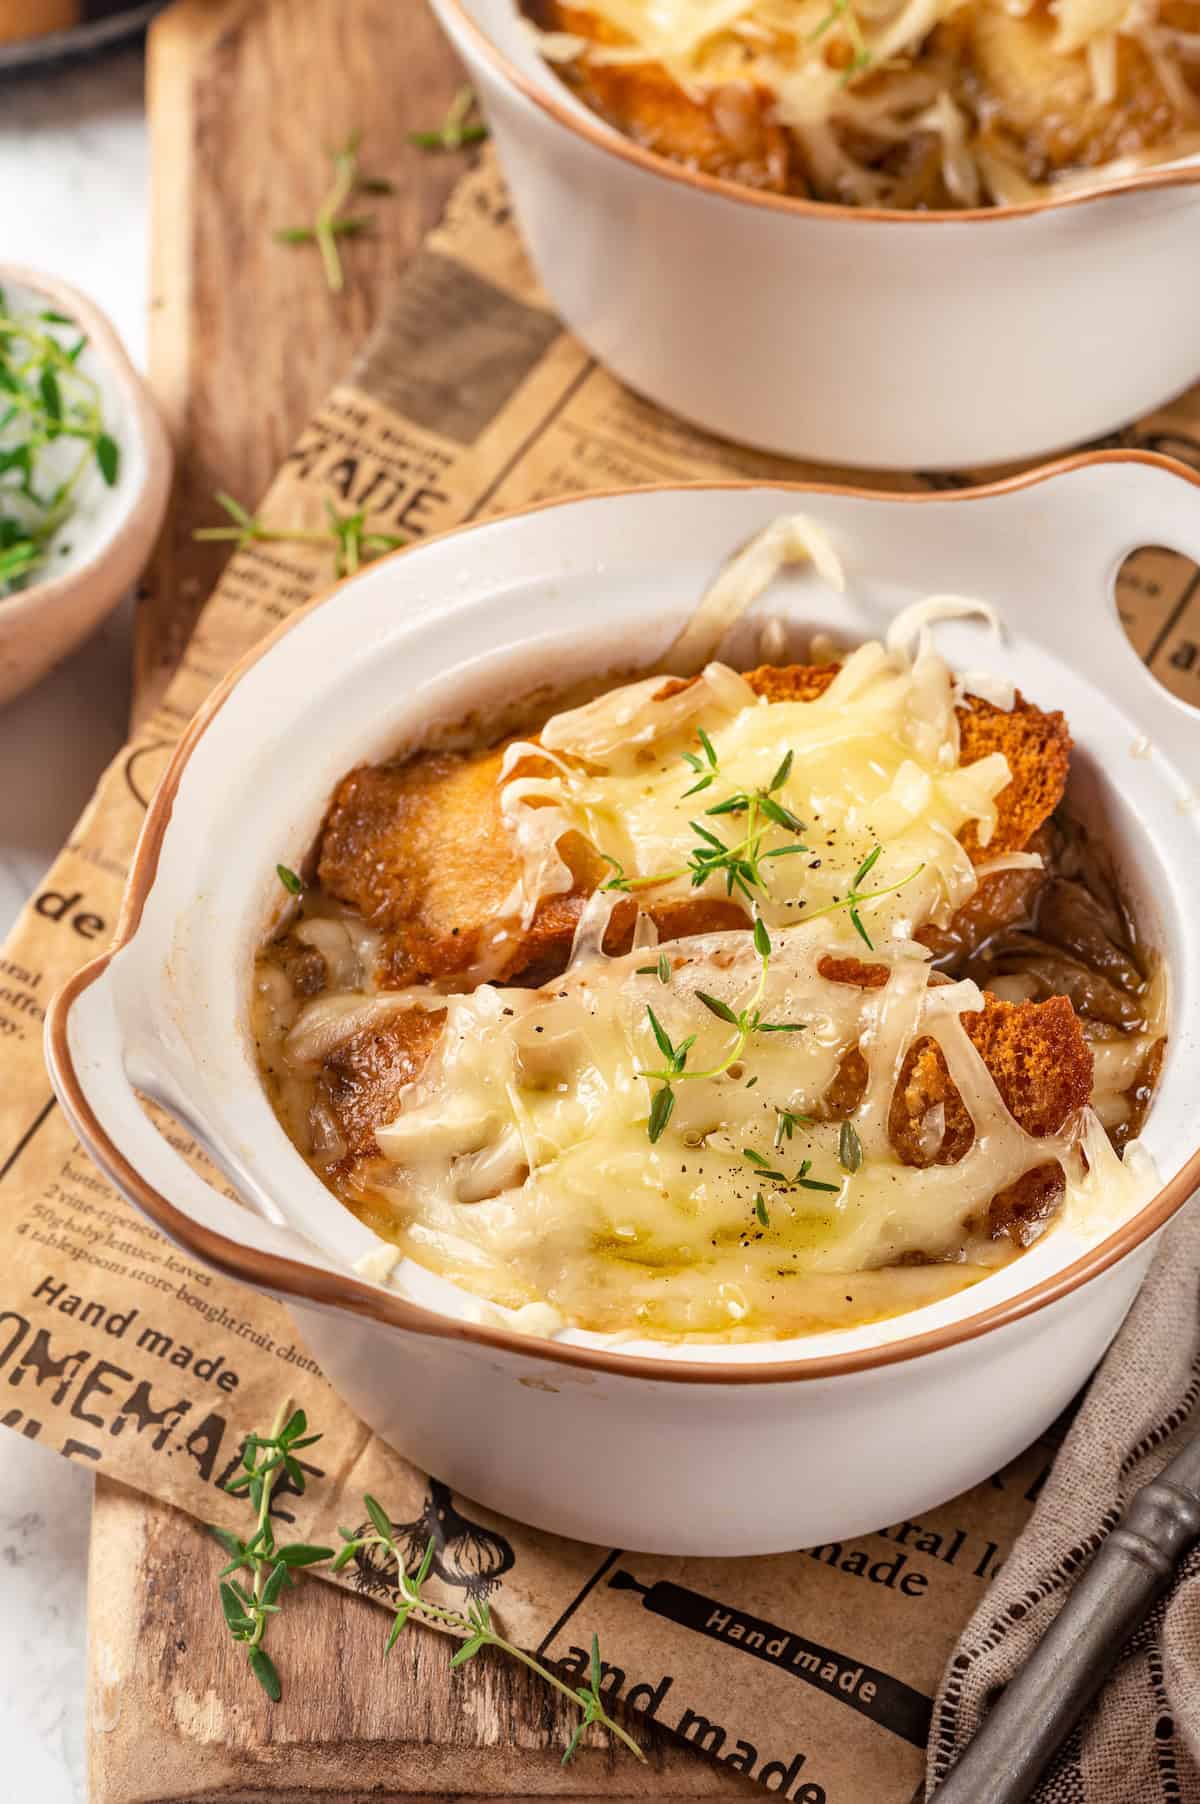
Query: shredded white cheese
[
  {"x": 874, "y": 761},
  {"x": 792, "y": 539},
  {"x": 851, "y": 80},
  {"x": 523, "y": 1168}
]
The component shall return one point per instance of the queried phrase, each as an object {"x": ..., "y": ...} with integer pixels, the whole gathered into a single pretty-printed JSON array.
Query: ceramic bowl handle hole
[
  {"x": 1160, "y": 586},
  {"x": 87, "y": 1059}
]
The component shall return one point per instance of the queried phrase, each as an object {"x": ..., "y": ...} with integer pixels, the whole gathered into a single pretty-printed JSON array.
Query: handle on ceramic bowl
[
  {"x": 1117, "y": 504},
  {"x": 86, "y": 1057}
]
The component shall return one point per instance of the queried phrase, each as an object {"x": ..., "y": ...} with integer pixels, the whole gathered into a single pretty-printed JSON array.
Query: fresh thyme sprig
[
  {"x": 265, "y": 1459},
  {"x": 707, "y": 768},
  {"x": 739, "y": 863},
  {"x": 45, "y": 399},
  {"x": 457, "y": 130},
  {"x": 861, "y": 57},
  {"x": 331, "y": 223},
  {"x": 786, "y": 1123},
  {"x": 662, "y": 970},
  {"x": 857, "y": 896},
  {"x": 347, "y": 225},
  {"x": 246, "y": 1607},
  {"x": 746, "y": 1022},
  {"x": 476, "y": 1626},
  {"x": 346, "y": 534},
  {"x": 767, "y": 1173}
]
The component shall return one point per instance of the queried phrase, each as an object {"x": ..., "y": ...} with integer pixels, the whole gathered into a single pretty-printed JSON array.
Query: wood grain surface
[
  {"x": 174, "y": 1715},
  {"x": 245, "y": 97},
  {"x": 246, "y": 100}
]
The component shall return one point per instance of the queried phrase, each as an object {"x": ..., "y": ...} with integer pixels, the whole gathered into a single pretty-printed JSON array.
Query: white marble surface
[{"x": 73, "y": 173}]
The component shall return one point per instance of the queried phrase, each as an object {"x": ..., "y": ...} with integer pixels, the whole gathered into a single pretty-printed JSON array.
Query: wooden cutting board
[
  {"x": 246, "y": 99},
  {"x": 245, "y": 96},
  {"x": 174, "y": 1715}
]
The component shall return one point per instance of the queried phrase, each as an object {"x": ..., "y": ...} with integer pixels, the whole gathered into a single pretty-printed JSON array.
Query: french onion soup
[
  {"x": 894, "y": 104},
  {"x": 731, "y": 1006}
]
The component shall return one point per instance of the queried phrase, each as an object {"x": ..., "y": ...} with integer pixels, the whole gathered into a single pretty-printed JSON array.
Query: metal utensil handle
[{"x": 1045, "y": 1700}]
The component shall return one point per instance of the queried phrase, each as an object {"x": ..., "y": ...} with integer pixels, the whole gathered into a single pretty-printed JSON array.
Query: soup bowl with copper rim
[
  {"x": 891, "y": 340},
  {"x": 670, "y": 1447}
]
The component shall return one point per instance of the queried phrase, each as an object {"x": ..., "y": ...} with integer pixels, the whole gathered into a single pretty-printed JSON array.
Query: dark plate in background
[{"x": 103, "y": 23}]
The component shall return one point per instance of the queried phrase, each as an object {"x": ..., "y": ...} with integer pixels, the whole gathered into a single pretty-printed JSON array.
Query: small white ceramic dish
[
  {"x": 101, "y": 550},
  {"x": 904, "y": 341},
  {"x": 709, "y": 1449}
]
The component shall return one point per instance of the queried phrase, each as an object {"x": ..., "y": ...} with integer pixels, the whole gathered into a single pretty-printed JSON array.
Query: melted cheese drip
[
  {"x": 522, "y": 1167},
  {"x": 874, "y": 762}
]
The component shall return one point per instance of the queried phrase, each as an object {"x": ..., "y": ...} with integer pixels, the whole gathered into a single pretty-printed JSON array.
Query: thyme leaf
[
  {"x": 660, "y": 1112},
  {"x": 786, "y": 1123},
  {"x": 331, "y": 222},
  {"x": 246, "y": 1606},
  {"x": 347, "y": 535},
  {"x": 850, "y": 1151},
  {"x": 52, "y": 432},
  {"x": 458, "y": 129},
  {"x": 716, "y": 1007}
]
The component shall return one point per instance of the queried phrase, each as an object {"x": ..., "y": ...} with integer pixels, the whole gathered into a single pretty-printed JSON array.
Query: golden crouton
[
  {"x": 1041, "y": 1064},
  {"x": 728, "y": 133},
  {"x": 420, "y": 849},
  {"x": 1043, "y": 102},
  {"x": 362, "y": 1079},
  {"x": 1038, "y": 1058},
  {"x": 1036, "y": 1053}
]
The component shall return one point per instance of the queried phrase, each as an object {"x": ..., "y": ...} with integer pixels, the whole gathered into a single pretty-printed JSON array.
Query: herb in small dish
[{"x": 52, "y": 434}]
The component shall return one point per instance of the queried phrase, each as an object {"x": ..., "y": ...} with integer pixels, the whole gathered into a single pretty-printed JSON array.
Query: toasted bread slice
[
  {"x": 1045, "y": 104},
  {"x": 729, "y": 133},
  {"x": 420, "y": 849},
  {"x": 362, "y": 1080},
  {"x": 1036, "y": 1052},
  {"x": 1036, "y": 745},
  {"x": 1042, "y": 1066}
]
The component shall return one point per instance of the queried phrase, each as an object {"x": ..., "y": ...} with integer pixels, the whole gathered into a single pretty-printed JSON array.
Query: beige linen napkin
[{"x": 1141, "y": 1743}]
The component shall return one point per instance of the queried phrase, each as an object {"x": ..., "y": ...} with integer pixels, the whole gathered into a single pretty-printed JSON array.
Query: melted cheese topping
[
  {"x": 866, "y": 71},
  {"x": 872, "y": 763},
  {"x": 650, "y": 1143},
  {"x": 523, "y": 1170}
]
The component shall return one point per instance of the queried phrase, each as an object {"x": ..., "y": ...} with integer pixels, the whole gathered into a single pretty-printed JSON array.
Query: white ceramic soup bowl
[
  {"x": 701, "y": 1449},
  {"x": 869, "y": 338}
]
